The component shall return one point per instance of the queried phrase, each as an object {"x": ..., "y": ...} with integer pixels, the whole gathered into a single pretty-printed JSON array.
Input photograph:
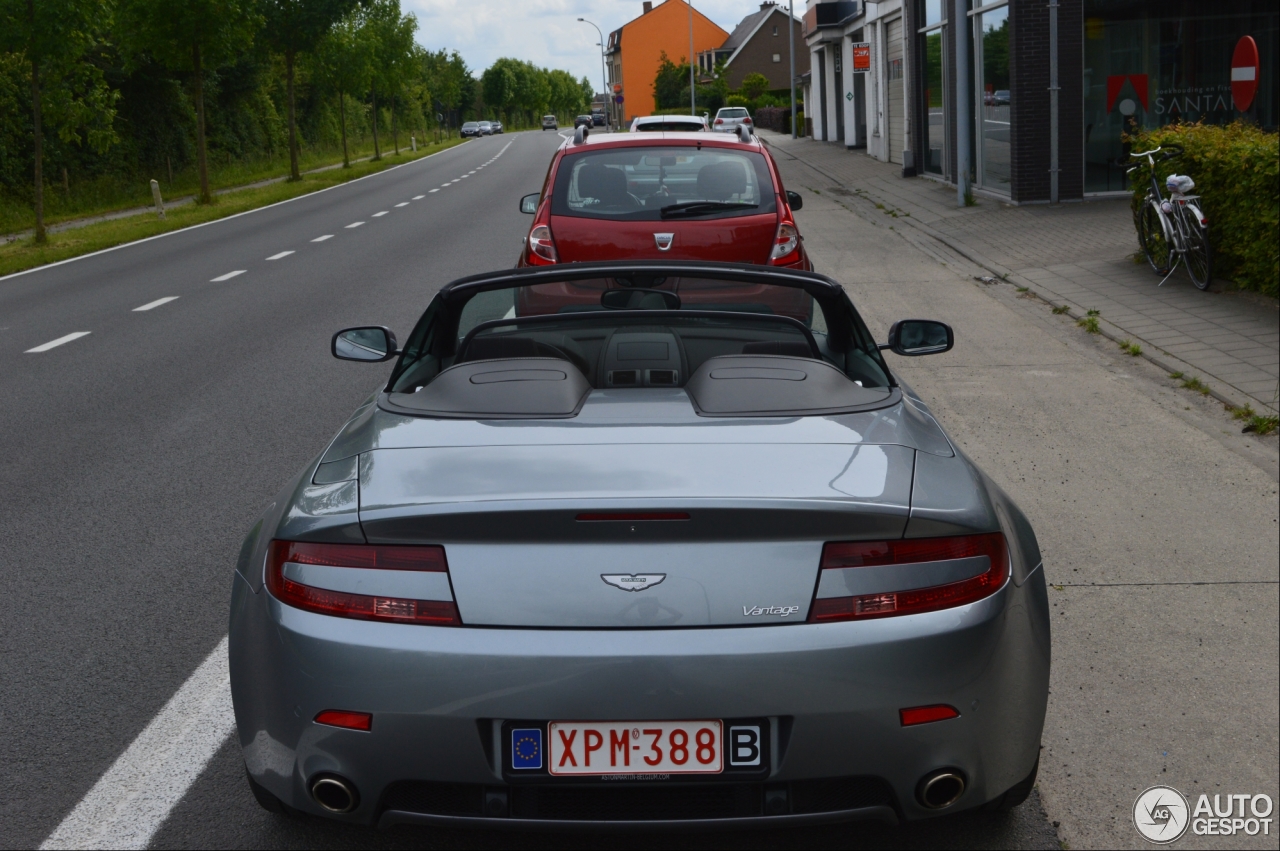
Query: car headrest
[
  {"x": 606, "y": 185},
  {"x": 719, "y": 181}
]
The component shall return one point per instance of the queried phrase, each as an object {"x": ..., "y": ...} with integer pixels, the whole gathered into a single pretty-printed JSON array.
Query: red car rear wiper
[{"x": 697, "y": 208}]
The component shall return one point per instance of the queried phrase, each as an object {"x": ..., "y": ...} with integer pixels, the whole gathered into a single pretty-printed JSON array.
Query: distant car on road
[
  {"x": 729, "y": 117},
  {"x": 669, "y": 195},
  {"x": 497, "y": 127},
  {"x": 582, "y": 121},
  {"x": 1000, "y": 97},
  {"x": 599, "y": 118},
  {"x": 471, "y": 128},
  {"x": 665, "y": 558},
  {"x": 486, "y": 128},
  {"x": 669, "y": 123},
  {"x": 550, "y": 122}
]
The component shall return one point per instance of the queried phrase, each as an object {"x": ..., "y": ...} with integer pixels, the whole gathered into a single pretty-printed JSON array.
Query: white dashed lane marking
[
  {"x": 323, "y": 238},
  {"x": 354, "y": 225},
  {"x": 383, "y": 213},
  {"x": 445, "y": 185},
  {"x": 53, "y": 344},
  {"x": 153, "y": 304},
  {"x": 227, "y": 276},
  {"x": 404, "y": 203},
  {"x": 280, "y": 255},
  {"x": 435, "y": 190},
  {"x": 420, "y": 197}
]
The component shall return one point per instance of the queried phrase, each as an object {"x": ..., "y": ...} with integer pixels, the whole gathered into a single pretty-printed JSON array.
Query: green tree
[
  {"x": 671, "y": 85},
  {"x": 343, "y": 61},
  {"x": 293, "y": 27},
  {"x": 54, "y": 35},
  {"x": 754, "y": 85},
  {"x": 190, "y": 35},
  {"x": 390, "y": 38}
]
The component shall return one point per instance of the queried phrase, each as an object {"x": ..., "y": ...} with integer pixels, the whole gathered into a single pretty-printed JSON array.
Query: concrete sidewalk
[{"x": 1079, "y": 255}]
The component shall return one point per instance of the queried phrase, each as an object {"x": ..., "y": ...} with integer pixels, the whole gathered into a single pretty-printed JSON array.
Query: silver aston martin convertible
[{"x": 640, "y": 544}]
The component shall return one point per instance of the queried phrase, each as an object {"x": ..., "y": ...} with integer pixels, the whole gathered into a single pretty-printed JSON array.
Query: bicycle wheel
[
  {"x": 1199, "y": 254},
  {"x": 1151, "y": 237}
]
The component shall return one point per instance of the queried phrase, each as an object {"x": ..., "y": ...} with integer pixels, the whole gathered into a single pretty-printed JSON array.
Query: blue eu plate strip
[{"x": 526, "y": 748}]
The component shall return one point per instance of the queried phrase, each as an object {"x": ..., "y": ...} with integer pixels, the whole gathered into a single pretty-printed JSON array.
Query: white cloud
[{"x": 545, "y": 32}]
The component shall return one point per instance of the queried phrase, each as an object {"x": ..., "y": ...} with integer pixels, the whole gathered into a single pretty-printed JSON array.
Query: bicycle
[{"x": 1173, "y": 230}]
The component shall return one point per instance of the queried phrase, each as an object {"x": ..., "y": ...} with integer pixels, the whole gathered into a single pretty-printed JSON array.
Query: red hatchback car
[{"x": 664, "y": 196}]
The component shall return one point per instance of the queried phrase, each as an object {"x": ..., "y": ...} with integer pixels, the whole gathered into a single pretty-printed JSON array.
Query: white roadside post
[
  {"x": 413, "y": 141},
  {"x": 155, "y": 196}
]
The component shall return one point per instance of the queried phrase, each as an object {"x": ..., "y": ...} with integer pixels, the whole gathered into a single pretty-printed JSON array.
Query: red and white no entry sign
[{"x": 1244, "y": 73}]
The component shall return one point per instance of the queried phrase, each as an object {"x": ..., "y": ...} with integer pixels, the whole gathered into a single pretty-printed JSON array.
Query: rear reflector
[
  {"x": 654, "y": 515},
  {"x": 926, "y": 714},
  {"x": 359, "y": 606},
  {"x": 348, "y": 720},
  {"x": 913, "y": 551}
]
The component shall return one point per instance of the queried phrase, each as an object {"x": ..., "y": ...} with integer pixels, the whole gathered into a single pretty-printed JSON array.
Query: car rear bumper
[{"x": 831, "y": 693}]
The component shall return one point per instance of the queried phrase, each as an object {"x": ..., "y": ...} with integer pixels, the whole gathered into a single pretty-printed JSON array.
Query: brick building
[
  {"x": 634, "y": 51},
  {"x": 930, "y": 99},
  {"x": 758, "y": 45}
]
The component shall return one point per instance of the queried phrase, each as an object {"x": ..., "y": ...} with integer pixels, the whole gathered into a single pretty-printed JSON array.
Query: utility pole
[
  {"x": 791, "y": 48},
  {"x": 693, "y": 88},
  {"x": 604, "y": 77}
]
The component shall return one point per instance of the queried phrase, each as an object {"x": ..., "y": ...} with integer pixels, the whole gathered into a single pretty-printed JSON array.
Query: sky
[{"x": 545, "y": 32}]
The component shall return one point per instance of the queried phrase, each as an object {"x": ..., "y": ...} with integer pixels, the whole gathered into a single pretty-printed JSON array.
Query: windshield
[
  {"x": 732, "y": 112},
  {"x": 695, "y": 318},
  {"x": 637, "y": 183}
]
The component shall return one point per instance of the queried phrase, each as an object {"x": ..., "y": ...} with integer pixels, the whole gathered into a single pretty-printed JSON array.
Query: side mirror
[
  {"x": 368, "y": 343},
  {"x": 639, "y": 298},
  {"x": 529, "y": 203},
  {"x": 794, "y": 199},
  {"x": 915, "y": 337}
]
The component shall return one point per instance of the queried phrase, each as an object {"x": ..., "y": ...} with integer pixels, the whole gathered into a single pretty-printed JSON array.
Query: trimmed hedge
[{"x": 1236, "y": 168}]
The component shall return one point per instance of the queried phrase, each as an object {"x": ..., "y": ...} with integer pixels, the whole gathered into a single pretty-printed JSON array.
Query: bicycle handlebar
[{"x": 1170, "y": 151}]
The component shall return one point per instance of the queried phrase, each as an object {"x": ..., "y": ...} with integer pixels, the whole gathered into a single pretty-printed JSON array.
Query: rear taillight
[
  {"x": 786, "y": 241},
  {"x": 927, "y": 714},
  {"x": 347, "y": 720},
  {"x": 359, "y": 606},
  {"x": 719, "y": 121},
  {"x": 542, "y": 248},
  {"x": 746, "y": 121},
  {"x": 907, "y": 553}
]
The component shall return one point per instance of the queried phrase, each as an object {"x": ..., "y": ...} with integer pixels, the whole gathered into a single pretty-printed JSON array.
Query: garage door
[{"x": 894, "y": 109}]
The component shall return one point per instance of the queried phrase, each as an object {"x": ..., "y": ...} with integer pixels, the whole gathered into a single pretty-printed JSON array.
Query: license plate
[{"x": 634, "y": 747}]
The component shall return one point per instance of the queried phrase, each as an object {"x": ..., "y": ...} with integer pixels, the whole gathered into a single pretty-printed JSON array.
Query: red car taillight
[
  {"x": 746, "y": 121},
  {"x": 360, "y": 606},
  {"x": 856, "y": 554},
  {"x": 719, "y": 121},
  {"x": 785, "y": 242},
  {"x": 542, "y": 248}
]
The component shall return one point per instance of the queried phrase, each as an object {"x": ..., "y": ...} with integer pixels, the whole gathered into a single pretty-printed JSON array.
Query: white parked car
[
  {"x": 669, "y": 123},
  {"x": 729, "y": 117}
]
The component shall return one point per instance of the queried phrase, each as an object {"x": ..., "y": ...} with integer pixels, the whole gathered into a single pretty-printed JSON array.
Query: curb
[{"x": 1164, "y": 360}]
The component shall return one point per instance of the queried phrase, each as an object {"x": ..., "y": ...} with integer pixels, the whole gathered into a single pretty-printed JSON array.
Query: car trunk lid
[{"x": 732, "y": 239}]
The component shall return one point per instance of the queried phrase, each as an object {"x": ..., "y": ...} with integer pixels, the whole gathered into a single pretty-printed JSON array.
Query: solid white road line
[
  {"x": 53, "y": 344},
  {"x": 134, "y": 797},
  {"x": 152, "y": 304},
  {"x": 323, "y": 238},
  {"x": 281, "y": 254},
  {"x": 354, "y": 225},
  {"x": 227, "y": 276},
  {"x": 420, "y": 197},
  {"x": 383, "y": 213}
]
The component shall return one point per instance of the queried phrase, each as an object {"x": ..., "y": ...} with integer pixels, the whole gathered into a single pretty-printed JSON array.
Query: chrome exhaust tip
[
  {"x": 334, "y": 793},
  {"x": 940, "y": 789}
]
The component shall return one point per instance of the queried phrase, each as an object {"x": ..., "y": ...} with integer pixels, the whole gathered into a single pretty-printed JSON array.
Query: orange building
[{"x": 635, "y": 51}]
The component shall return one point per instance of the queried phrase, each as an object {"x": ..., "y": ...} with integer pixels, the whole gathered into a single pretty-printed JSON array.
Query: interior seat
[
  {"x": 721, "y": 181},
  {"x": 607, "y": 185}
]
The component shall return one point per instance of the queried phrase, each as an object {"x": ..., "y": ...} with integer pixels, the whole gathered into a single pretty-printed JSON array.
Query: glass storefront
[
  {"x": 934, "y": 91},
  {"x": 991, "y": 63},
  {"x": 1148, "y": 63}
]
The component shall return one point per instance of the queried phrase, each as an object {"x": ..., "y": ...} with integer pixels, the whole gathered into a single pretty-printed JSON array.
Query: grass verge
[{"x": 20, "y": 255}]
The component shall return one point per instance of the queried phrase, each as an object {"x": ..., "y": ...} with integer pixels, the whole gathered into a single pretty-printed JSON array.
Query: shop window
[
  {"x": 1149, "y": 64},
  {"x": 935, "y": 116},
  {"x": 993, "y": 98}
]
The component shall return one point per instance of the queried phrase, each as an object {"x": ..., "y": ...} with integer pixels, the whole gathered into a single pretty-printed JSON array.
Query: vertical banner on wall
[{"x": 861, "y": 57}]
